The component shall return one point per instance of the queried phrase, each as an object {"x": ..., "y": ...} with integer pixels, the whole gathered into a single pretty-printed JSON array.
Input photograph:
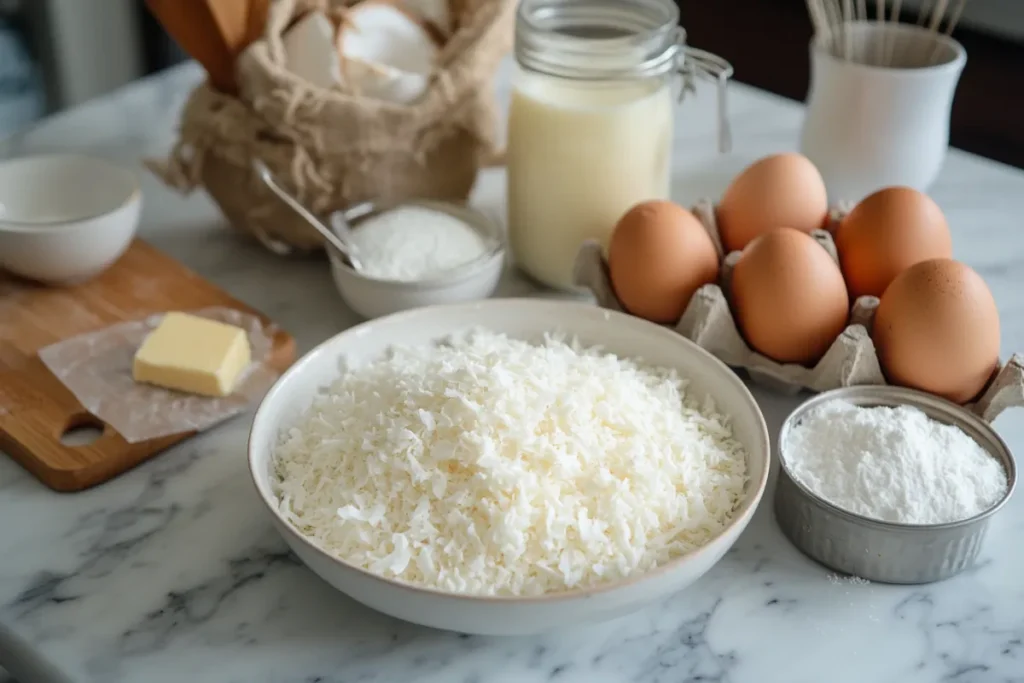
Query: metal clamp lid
[{"x": 694, "y": 63}]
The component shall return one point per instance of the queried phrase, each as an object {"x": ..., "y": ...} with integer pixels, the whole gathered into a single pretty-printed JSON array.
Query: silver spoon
[
  {"x": 345, "y": 249},
  {"x": 340, "y": 226}
]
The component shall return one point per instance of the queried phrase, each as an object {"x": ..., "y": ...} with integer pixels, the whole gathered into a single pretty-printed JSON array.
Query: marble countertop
[{"x": 173, "y": 572}]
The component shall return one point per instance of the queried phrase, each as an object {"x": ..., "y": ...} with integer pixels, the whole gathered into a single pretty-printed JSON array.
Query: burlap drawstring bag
[{"x": 332, "y": 149}]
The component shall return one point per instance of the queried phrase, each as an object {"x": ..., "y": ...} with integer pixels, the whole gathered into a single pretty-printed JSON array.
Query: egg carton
[{"x": 851, "y": 360}]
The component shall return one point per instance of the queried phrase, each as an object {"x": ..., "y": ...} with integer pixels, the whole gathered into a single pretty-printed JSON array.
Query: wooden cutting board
[{"x": 36, "y": 409}]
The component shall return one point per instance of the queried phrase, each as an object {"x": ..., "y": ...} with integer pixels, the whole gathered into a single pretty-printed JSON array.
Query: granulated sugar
[
  {"x": 893, "y": 464},
  {"x": 412, "y": 243}
]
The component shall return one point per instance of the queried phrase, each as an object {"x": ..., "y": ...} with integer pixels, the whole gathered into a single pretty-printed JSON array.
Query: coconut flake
[
  {"x": 497, "y": 466},
  {"x": 309, "y": 51},
  {"x": 386, "y": 52}
]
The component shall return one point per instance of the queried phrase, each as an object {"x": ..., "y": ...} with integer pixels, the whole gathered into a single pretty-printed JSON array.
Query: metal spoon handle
[{"x": 264, "y": 173}]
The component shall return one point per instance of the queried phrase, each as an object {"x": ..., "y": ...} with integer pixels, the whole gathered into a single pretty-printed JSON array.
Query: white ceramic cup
[{"x": 870, "y": 126}]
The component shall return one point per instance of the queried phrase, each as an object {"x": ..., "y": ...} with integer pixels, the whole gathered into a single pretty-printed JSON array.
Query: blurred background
[{"x": 55, "y": 54}]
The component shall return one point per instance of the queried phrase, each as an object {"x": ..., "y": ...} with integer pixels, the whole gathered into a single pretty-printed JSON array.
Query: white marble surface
[{"x": 173, "y": 572}]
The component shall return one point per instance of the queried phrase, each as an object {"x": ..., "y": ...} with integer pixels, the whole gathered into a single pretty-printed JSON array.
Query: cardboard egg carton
[{"x": 850, "y": 361}]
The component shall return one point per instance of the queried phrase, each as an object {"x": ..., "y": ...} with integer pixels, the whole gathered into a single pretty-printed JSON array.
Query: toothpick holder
[{"x": 878, "y": 108}]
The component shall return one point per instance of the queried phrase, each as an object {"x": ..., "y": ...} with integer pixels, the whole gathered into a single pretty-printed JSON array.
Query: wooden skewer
[
  {"x": 880, "y": 42},
  {"x": 937, "y": 14},
  {"x": 847, "y": 19},
  {"x": 893, "y": 38},
  {"x": 835, "y": 20},
  {"x": 923, "y": 12},
  {"x": 936, "y": 20},
  {"x": 815, "y": 24},
  {"x": 954, "y": 19},
  {"x": 821, "y": 24},
  {"x": 862, "y": 16}
]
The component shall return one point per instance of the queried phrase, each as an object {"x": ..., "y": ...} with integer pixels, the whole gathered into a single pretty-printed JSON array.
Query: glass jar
[{"x": 591, "y": 121}]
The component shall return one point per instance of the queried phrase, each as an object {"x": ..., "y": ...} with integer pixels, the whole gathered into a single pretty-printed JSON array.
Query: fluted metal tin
[{"x": 883, "y": 551}]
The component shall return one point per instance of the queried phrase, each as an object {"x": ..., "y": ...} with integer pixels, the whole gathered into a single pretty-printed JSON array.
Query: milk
[{"x": 579, "y": 156}]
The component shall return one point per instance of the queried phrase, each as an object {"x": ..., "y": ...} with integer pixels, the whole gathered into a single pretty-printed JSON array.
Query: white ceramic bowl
[
  {"x": 373, "y": 297},
  {"x": 65, "y": 218},
  {"x": 622, "y": 334}
]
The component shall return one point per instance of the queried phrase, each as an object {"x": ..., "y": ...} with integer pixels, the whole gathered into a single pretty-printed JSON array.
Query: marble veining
[{"x": 173, "y": 572}]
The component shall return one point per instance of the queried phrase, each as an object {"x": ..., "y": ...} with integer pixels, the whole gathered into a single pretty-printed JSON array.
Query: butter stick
[{"x": 194, "y": 355}]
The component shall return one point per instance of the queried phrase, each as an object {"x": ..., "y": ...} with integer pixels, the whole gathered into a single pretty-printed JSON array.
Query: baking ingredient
[
  {"x": 386, "y": 53},
  {"x": 778, "y": 191},
  {"x": 310, "y": 53},
  {"x": 193, "y": 354},
  {"x": 788, "y": 297},
  {"x": 658, "y": 256},
  {"x": 493, "y": 466},
  {"x": 886, "y": 233},
  {"x": 412, "y": 243},
  {"x": 565, "y": 188},
  {"x": 937, "y": 329},
  {"x": 893, "y": 464}
]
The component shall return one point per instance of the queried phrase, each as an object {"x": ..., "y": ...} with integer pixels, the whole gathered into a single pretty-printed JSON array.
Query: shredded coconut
[
  {"x": 492, "y": 466},
  {"x": 893, "y": 464},
  {"x": 412, "y": 243}
]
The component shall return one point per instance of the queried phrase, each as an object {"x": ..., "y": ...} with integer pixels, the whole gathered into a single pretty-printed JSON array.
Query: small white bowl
[
  {"x": 65, "y": 218},
  {"x": 373, "y": 297},
  {"x": 618, "y": 333}
]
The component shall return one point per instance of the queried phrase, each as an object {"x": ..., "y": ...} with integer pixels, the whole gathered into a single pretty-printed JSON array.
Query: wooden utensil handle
[{"x": 193, "y": 26}]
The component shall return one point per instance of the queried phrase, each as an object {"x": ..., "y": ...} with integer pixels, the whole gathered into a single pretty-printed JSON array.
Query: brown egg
[
  {"x": 784, "y": 190},
  {"x": 885, "y": 234},
  {"x": 937, "y": 330},
  {"x": 788, "y": 297},
  {"x": 658, "y": 256}
]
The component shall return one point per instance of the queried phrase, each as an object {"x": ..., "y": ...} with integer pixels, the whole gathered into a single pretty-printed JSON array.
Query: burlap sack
[
  {"x": 331, "y": 149},
  {"x": 850, "y": 361}
]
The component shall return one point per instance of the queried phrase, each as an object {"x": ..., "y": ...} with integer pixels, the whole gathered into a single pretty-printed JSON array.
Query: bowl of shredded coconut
[
  {"x": 510, "y": 466},
  {"x": 890, "y": 484},
  {"x": 416, "y": 253}
]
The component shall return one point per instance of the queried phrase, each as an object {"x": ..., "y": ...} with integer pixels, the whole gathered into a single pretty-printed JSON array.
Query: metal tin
[{"x": 884, "y": 551}]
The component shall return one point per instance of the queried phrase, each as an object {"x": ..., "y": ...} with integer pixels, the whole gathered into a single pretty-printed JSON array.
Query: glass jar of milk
[{"x": 591, "y": 121}]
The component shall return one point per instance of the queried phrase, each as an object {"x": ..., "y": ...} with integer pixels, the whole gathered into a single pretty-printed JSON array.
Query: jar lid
[{"x": 598, "y": 39}]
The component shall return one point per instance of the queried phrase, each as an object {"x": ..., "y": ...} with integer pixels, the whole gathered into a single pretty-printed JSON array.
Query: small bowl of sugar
[
  {"x": 416, "y": 253},
  {"x": 890, "y": 484}
]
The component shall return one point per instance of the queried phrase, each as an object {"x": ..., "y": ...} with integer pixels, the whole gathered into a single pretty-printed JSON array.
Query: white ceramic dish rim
[
  {"x": 890, "y": 396},
  {"x": 743, "y": 514},
  {"x": 483, "y": 224},
  {"x": 53, "y": 226}
]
